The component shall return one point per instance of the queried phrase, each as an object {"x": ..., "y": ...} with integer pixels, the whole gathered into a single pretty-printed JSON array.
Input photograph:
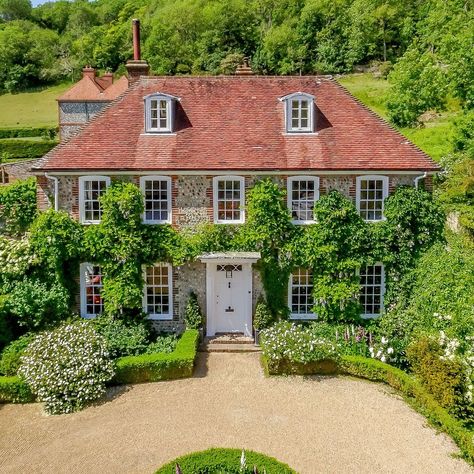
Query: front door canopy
[{"x": 227, "y": 257}]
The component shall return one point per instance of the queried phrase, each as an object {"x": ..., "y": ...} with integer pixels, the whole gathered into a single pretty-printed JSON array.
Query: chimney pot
[
  {"x": 89, "y": 72},
  {"x": 136, "y": 67},
  {"x": 244, "y": 68},
  {"x": 136, "y": 39}
]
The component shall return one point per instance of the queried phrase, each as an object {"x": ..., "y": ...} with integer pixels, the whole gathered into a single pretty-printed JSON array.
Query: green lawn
[
  {"x": 31, "y": 109},
  {"x": 433, "y": 138}
]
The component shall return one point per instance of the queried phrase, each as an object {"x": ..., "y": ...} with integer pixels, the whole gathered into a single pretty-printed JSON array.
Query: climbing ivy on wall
[{"x": 334, "y": 247}]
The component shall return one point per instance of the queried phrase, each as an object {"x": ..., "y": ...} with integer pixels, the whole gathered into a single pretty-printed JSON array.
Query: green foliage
[
  {"x": 67, "y": 368},
  {"x": 14, "y": 390},
  {"x": 444, "y": 377},
  {"x": 26, "y": 149},
  {"x": 419, "y": 84},
  {"x": 160, "y": 366},
  {"x": 414, "y": 222},
  {"x": 220, "y": 460},
  {"x": 25, "y": 132},
  {"x": 37, "y": 305},
  {"x": 263, "y": 317},
  {"x": 116, "y": 243},
  {"x": 10, "y": 356},
  {"x": 18, "y": 205},
  {"x": 163, "y": 344},
  {"x": 335, "y": 248},
  {"x": 122, "y": 338},
  {"x": 193, "y": 318},
  {"x": 268, "y": 229}
]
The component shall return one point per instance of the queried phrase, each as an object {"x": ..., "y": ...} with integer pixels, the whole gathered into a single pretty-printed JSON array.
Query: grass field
[
  {"x": 433, "y": 138},
  {"x": 31, "y": 109}
]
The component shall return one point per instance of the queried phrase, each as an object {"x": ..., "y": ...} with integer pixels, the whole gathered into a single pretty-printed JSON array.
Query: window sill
[
  {"x": 303, "y": 222},
  {"x": 156, "y": 222},
  {"x": 160, "y": 317},
  {"x": 229, "y": 222},
  {"x": 370, "y": 316},
  {"x": 300, "y": 134},
  {"x": 90, "y": 222},
  {"x": 303, "y": 317},
  {"x": 158, "y": 134}
]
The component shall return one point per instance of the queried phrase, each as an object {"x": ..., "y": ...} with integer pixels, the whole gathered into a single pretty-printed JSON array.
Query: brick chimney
[
  {"x": 107, "y": 80},
  {"x": 244, "y": 69},
  {"x": 88, "y": 72},
  {"x": 136, "y": 67}
]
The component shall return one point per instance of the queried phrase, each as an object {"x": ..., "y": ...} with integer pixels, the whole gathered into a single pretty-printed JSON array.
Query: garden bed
[{"x": 160, "y": 366}]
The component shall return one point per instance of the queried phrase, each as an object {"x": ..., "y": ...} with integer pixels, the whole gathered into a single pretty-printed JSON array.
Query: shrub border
[
  {"x": 153, "y": 367},
  {"x": 411, "y": 389},
  {"x": 222, "y": 458},
  {"x": 14, "y": 390},
  {"x": 25, "y": 132}
]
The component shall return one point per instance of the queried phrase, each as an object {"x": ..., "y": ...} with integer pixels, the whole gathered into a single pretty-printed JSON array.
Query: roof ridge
[
  {"x": 380, "y": 119},
  {"x": 45, "y": 158}
]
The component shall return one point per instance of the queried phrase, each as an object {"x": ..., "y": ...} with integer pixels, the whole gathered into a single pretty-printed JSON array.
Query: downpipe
[{"x": 417, "y": 179}]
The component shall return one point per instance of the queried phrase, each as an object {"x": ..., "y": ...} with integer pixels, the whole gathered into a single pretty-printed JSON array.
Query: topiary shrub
[
  {"x": 122, "y": 338},
  {"x": 68, "y": 367},
  {"x": 228, "y": 461},
  {"x": 193, "y": 316},
  {"x": 10, "y": 359},
  {"x": 263, "y": 317}
]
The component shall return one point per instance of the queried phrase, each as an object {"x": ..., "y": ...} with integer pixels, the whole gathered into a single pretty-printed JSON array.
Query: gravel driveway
[{"x": 317, "y": 425}]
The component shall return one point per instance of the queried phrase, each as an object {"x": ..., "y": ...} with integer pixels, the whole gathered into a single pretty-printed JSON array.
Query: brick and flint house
[{"x": 194, "y": 146}]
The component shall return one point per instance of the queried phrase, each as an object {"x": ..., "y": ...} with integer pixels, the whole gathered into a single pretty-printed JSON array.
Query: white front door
[{"x": 232, "y": 308}]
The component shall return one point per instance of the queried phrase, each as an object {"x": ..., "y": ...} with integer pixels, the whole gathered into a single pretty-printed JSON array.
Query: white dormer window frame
[
  {"x": 371, "y": 192},
  {"x": 299, "y": 112},
  {"x": 160, "y": 112}
]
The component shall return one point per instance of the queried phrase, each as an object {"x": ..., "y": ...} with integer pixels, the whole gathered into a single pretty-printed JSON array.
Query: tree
[{"x": 15, "y": 9}]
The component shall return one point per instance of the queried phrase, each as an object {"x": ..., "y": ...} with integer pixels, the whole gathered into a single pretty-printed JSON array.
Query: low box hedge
[
  {"x": 26, "y": 149},
  {"x": 14, "y": 390},
  {"x": 284, "y": 367},
  {"x": 224, "y": 460},
  {"x": 153, "y": 367},
  {"x": 412, "y": 390},
  {"x": 23, "y": 132}
]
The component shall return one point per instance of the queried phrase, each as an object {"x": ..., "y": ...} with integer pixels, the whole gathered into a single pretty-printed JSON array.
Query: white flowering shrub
[
  {"x": 288, "y": 341},
  {"x": 383, "y": 351},
  {"x": 68, "y": 367},
  {"x": 16, "y": 256}
]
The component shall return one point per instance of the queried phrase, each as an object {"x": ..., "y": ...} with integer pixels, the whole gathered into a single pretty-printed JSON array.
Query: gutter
[
  {"x": 417, "y": 179},
  {"x": 56, "y": 190}
]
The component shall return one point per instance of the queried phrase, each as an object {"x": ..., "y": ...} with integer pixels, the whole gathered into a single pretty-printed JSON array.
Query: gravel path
[{"x": 317, "y": 425}]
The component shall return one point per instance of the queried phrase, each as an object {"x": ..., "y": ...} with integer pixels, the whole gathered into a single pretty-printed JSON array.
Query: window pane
[
  {"x": 157, "y": 291},
  {"x": 301, "y": 292},
  {"x": 371, "y": 289}
]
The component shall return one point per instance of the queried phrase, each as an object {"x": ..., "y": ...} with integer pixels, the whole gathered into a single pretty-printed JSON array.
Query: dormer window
[
  {"x": 299, "y": 112},
  {"x": 159, "y": 113}
]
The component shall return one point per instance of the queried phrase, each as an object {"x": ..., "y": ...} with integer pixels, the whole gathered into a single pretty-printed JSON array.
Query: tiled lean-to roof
[{"x": 238, "y": 123}]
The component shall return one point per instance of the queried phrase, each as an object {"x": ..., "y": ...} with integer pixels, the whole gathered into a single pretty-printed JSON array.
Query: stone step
[
  {"x": 229, "y": 339},
  {"x": 228, "y": 348}
]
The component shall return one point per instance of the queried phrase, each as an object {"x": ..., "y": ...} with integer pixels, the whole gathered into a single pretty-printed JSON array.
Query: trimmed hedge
[
  {"x": 14, "y": 390},
  {"x": 160, "y": 366},
  {"x": 219, "y": 460},
  {"x": 284, "y": 367},
  {"x": 26, "y": 149},
  {"x": 24, "y": 132}
]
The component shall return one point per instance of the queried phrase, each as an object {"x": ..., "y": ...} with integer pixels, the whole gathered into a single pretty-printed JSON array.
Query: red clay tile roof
[
  {"x": 88, "y": 89},
  {"x": 237, "y": 123}
]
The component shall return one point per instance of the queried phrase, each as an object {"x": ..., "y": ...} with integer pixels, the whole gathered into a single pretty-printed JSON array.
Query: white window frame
[
  {"x": 289, "y": 195},
  {"x": 385, "y": 190},
  {"x": 298, "y": 96},
  {"x": 365, "y": 315},
  {"x": 82, "y": 279},
  {"x": 143, "y": 181},
  {"x": 170, "y": 112},
  {"x": 305, "y": 316},
  {"x": 215, "y": 188},
  {"x": 82, "y": 210},
  {"x": 155, "y": 316}
]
